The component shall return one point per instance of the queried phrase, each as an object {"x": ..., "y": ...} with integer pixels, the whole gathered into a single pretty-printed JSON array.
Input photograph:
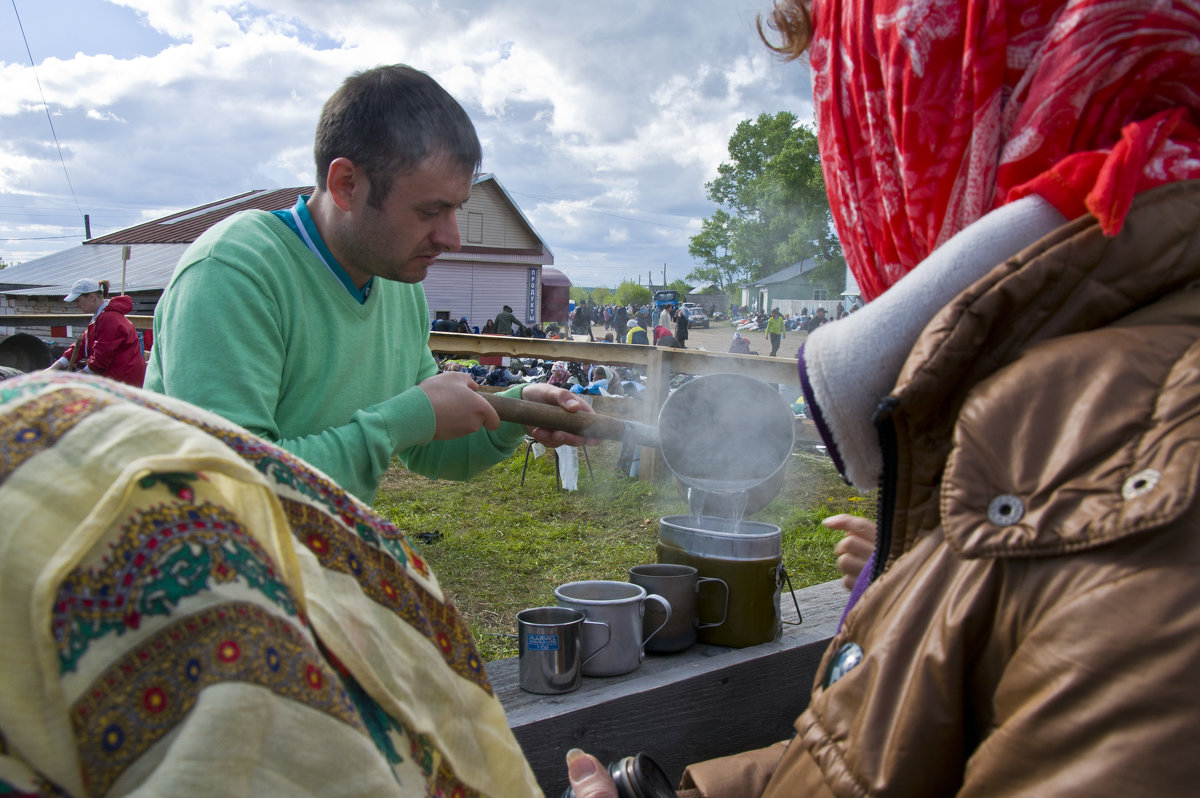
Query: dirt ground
[{"x": 719, "y": 335}]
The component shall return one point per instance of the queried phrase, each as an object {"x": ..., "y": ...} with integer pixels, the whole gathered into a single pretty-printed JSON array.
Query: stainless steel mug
[
  {"x": 551, "y": 650},
  {"x": 680, "y": 585},
  {"x": 621, "y": 605}
]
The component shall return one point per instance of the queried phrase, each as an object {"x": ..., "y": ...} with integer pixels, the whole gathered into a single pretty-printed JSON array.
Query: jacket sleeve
[
  {"x": 105, "y": 337},
  {"x": 1100, "y": 694}
]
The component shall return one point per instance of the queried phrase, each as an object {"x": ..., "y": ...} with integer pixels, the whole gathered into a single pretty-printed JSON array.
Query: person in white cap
[{"x": 109, "y": 347}]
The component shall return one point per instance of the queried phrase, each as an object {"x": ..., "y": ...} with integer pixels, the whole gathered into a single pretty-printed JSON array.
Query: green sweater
[{"x": 257, "y": 329}]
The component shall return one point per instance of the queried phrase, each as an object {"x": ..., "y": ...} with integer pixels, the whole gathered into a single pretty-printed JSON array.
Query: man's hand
[
  {"x": 458, "y": 409},
  {"x": 856, "y": 548},
  {"x": 588, "y": 777},
  {"x": 553, "y": 395}
]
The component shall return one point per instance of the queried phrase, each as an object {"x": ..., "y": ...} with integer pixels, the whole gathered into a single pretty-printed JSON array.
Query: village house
[{"x": 796, "y": 288}]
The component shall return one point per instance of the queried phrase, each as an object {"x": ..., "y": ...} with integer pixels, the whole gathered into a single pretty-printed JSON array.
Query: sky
[{"x": 603, "y": 120}]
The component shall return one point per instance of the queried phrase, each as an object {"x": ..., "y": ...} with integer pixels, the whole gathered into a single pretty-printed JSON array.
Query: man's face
[{"x": 401, "y": 239}]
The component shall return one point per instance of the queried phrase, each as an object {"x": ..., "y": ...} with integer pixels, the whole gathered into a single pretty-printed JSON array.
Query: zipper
[{"x": 885, "y": 507}]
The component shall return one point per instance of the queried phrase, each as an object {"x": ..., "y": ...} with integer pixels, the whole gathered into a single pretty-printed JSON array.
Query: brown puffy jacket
[{"x": 1034, "y": 624}]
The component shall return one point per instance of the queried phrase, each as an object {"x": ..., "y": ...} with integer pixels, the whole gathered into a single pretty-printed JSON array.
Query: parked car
[{"x": 696, "y": 315}]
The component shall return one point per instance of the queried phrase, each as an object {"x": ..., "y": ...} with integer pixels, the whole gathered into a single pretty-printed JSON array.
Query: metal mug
[
  {"x": 551, "y": 650},
  {"x": 621, "y": 605},
  {"x": 680, "y": 585}
]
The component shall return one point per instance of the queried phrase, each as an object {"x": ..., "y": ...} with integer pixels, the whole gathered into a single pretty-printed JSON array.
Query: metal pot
[{"x": 722, "y": 434}]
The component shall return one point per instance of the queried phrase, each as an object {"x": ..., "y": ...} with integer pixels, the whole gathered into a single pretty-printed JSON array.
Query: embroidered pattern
[
  {"x": 385, "y": 582},
  {"x": 287, "y": 470},
  {"x": 144, "y": 695},
  {"x": 165, "y": 554},
  {"x": 37, "y": 424}
]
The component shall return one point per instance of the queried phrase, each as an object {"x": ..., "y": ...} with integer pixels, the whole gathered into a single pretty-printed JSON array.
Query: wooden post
[{"x": 124, "y": 260}]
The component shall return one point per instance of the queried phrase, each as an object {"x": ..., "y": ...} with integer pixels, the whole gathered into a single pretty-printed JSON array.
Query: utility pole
[{"x": 664, "y": 275}]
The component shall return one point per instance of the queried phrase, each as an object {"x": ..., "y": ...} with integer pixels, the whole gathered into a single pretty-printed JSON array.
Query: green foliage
[
  {"x": 601, "y": 295},
  {"x": 778, "y": 212},
  {"x": 580, "y": 295},
  {"x": 631, "y": 293},
  {"x": 502, "y": 546},
  {"x": 679, "y": 285}
]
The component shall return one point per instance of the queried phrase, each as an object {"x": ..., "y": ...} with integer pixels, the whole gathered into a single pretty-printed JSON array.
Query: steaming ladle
[{"x": 720, "y": 433}]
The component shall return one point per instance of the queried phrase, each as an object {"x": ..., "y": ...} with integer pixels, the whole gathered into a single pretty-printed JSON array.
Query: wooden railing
[{"x": 80, "y": 320}]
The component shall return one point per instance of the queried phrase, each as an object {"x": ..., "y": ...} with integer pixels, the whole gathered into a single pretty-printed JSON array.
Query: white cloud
[{"x": 604, "y": 120}]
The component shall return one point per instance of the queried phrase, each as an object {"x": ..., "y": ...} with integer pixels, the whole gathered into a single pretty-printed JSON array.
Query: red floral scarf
[{"x": 930, "y": 113}]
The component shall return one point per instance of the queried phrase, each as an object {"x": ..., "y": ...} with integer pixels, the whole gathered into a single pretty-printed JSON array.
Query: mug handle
[
  {"x": 666, "y": 606},
  {"x": 607, "y": 640},
  {"x": 724, "y": 610}
]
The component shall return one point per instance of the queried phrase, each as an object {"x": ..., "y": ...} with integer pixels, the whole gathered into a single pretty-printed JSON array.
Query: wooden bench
[{"x": 681, "y": 708}]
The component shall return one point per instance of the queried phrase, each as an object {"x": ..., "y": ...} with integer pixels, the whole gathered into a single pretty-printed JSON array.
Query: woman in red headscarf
[{"x": 1014, "y": 185}]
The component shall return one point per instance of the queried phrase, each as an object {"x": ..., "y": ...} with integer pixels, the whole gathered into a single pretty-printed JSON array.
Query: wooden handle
[{"x": 536, "y": 414}]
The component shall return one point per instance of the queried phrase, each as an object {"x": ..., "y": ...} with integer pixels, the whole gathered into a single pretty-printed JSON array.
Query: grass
[{"x": 499, "y": 547}]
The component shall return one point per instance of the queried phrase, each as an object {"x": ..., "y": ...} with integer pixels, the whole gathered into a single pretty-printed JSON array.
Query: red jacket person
[{"x": 109, "y": 346}]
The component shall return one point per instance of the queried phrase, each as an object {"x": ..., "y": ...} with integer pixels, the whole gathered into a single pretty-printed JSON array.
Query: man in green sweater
[{"x": 309, "y": 326}]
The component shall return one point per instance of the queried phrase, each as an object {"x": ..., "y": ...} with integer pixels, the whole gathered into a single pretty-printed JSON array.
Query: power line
[{"x": 46, "y": 107}]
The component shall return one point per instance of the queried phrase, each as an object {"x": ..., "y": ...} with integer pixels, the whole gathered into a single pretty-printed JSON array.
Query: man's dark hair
[{"x": 388, "y": 120}]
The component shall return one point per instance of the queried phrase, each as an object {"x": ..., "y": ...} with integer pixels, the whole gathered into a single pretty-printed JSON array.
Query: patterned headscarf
[{"x": 930, "y": 113}]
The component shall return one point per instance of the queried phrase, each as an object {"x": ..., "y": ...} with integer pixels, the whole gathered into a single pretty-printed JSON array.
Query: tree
[
  {"x": 679, "y": 286},
  {"x": 600, "y": 295},
  {"x": 713, "y": 245},
  {"x": 778, "y": 212},
  {"x": 631, "y": 293}
]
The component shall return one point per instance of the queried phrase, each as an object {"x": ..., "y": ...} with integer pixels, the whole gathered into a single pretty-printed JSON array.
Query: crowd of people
[{"x": 200, "y": 596}]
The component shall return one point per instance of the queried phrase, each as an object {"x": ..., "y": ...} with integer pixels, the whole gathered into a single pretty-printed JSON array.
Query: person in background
[
  {"x": 774, "y": 330},
  {"x": 621, "y": 319},
  {"x": 681, "y": 326},
  {"x": 815, "y": 320},
  {"x": 636, "y": 333},
  {"x": 508, "y": 324},
  {"x": 110, "y": 346},
  {"x": 1023, "y": 388},
  {"x": 309, "y": 326},
  {"x": 739, "y": 345}
]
